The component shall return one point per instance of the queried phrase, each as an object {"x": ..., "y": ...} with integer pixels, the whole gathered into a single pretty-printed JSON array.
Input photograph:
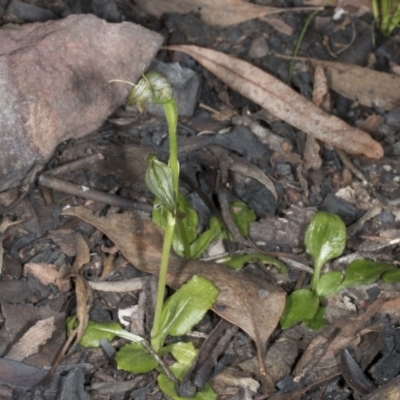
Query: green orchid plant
[
  {"x": 325, "y": 240},
  {"x": 188, "y": 305},
  {"x": 386, "y": 14}
]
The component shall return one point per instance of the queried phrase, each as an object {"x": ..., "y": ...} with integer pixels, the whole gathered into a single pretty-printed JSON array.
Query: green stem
[
  {"x": 299, "y": 41},
  {"x": 156, "y": 334},
  {"x": 315, "y": 277},
  {"x": 171, "y": 115}
]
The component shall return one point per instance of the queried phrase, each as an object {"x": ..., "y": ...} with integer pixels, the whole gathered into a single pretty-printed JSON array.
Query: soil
[{"x": 357, "y": 355}]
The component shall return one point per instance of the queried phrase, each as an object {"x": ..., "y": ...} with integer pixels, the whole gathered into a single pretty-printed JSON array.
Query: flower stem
[
  {"x": 171, "y": 114},
  {"x": 156, "y": 334}
]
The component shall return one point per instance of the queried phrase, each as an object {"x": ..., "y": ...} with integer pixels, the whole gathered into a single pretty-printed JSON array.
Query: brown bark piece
[{"x": 55, "y": 84}]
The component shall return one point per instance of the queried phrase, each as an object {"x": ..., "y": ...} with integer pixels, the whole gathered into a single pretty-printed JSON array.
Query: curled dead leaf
[{"x": 283, "y": 102}]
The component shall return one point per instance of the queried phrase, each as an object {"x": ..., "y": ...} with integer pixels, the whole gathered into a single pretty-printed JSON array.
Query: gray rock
[
  {"x": 186, "y": 88},
  {"x": 55, "y": 84},
  {"x": 19, "y": 11}
]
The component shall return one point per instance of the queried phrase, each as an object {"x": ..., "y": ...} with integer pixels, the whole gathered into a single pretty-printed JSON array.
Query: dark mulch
[{"x": 44, "y": 237}]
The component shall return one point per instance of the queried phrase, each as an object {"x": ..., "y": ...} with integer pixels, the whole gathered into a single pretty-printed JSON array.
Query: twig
[
  {"x": 91, "y": 194},
  {"x": 75, "y": 165},
  {"x": 346, "y": 161},
  {"x": 163, "y": 365}
]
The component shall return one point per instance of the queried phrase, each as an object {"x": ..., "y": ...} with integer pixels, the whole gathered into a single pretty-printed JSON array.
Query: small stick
[
  {"x": 91, "y": 194},
  {"x": 75, "y": 165},
  {"x": 163, "y": 365}
]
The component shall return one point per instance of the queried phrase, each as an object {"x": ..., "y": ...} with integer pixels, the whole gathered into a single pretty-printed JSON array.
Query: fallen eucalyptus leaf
[
  {"x": 369, "y": 87},
  {"x": 252, "y": 304},
  {"x": 283, "y": 102}
]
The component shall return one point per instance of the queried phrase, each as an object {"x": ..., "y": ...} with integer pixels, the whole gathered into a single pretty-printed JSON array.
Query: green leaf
[
  {"x": 159, "y": 181},
  {"x": 133, "y": 357},
  {"x": 364, "y": 272},
  {"x": 391, "y": 276},
  {"x": 96, "y": 331},
  {"x": 186, "y": 228},
  {"x": 301, "y": 305},
  {"x": 168, "y": 387},
  {"x": 329, "y": 284},
  {"x": 319, "y": 320},
  {"x": 187, "y": 306},
  {"x": 184, "y": 353},
  {"x": 198, "y": 247},
  {"x": 325, "y": 238},
  {"x": 239, "y": 261},
  {"x": 242, "y": 217}
]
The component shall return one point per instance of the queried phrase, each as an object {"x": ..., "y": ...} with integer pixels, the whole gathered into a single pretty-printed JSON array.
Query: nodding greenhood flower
[{"x": 152, "y": 88}]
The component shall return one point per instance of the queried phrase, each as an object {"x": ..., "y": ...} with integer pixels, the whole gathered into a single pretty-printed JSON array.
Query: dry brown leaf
[
  {"x": 228, "y": 160},
  {"x": 357, "y": 7},
  {"x": 320, "y": 95},
  {"x": 223, "y": 13},
  {"x": 35, "y": 337},
  {"x": 252, "y": 304},
  {"x": 108, "y": 266},
  {"x": 48, "y": 275},
  {"x": 279, "y": 25},
  {"x": 371, "y": 88},
  {"x": 283, "y": 102},
  {"x": 344, "y": 332}
]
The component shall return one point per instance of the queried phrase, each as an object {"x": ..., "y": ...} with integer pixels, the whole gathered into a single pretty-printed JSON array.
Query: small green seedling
[
  {"x": 386, "y": 14},
  {"x": 325, "y": 240}
]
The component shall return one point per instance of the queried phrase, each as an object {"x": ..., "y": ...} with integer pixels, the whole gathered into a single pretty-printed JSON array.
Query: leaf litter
[
  {"x": 283, "y": 102},
  {"x": 252, "y": 304},
  {"x": 369, "y": 87},
  {"x": 226, "y": 13}
]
